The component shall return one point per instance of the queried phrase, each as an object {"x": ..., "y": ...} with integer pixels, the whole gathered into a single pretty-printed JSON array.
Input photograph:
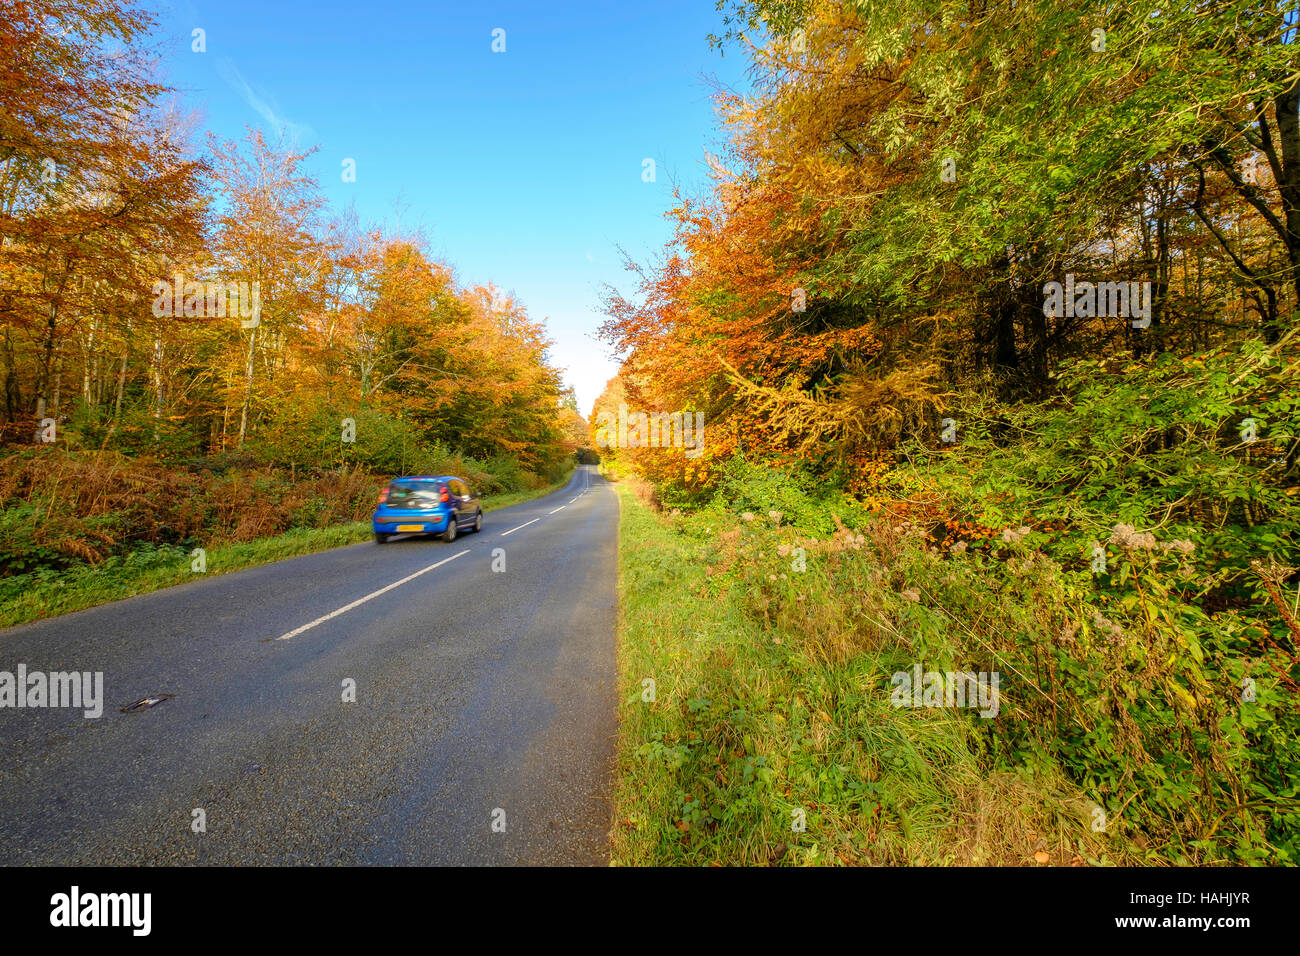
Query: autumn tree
[
  {"x": 905, "y": 180},
  {"x": 95, "y": 184},
  {"x": 264, "y": 237}
]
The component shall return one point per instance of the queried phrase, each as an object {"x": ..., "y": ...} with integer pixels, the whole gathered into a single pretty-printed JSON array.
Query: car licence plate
[{"x": 410, "y": 527}]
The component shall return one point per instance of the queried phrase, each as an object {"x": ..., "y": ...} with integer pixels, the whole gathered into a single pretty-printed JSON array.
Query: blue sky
[{"x": 521, "y": 168}]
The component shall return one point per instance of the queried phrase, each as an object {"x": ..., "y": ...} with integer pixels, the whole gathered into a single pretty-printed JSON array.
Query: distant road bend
[{"x": 482, "y": 731}]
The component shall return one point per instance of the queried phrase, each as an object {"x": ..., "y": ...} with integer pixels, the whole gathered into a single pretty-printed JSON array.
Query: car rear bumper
[{"x": 408, "y": 524}]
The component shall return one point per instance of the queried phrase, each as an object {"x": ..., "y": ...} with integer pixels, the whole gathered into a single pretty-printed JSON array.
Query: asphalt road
[{"x": 482, "y": 697}]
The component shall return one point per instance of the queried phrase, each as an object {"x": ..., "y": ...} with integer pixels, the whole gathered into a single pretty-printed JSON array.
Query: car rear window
[{"x": 413, "y": 494}]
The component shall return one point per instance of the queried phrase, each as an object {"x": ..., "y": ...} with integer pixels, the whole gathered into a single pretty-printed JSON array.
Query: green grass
[
  {"x": 752, "y": 722},
  {"x": 46, "y": 594}
]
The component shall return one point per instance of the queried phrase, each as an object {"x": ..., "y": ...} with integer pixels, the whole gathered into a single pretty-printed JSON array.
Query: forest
[
  {"x": 990, "y": 315},
  {"x": 195, "y": 347}
]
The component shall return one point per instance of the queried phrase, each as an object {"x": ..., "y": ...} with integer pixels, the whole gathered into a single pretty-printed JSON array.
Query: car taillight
[
  {"x": 383, "y": 496},
  {"x": 442, "y": 494}
]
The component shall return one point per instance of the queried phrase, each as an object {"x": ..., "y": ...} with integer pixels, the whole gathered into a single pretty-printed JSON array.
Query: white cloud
[{"x": 282, "y": 126}]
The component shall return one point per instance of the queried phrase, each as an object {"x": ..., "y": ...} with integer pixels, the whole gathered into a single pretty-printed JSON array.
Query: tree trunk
[
  {"x": 1287, "y": 105},
  {"x": 248, "y": 387},
  {"x": 13, "y": 390}
]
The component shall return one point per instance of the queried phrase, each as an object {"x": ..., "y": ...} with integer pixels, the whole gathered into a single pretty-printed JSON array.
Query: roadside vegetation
[
  {"x": 1122, "y": 734},
  {"x": 83, "y": 530},
  {"x": 916, "y": 455},
  {"x": 771, "y": 739}
]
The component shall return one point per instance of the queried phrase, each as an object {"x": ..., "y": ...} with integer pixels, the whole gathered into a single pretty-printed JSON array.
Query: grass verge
[
  {"x": 755, "y": 747},
  {"x": 47, "y": 594}
]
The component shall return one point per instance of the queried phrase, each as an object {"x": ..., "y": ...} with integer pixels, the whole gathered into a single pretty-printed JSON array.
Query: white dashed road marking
[
  {"x": 524, "y": 525},
  {"x": 373, "y": 594}
]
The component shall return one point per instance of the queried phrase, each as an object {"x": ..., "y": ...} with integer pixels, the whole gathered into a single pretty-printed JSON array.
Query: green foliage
[
  {"x": 1130, "y": 680},
  {"x": 1147, "y": 657},
  {"x": 799, "y": 498},
  {"x": 22, "y": 551},
  {"x": 137, "y": 431},
  {"x": 755, "y": 729},
  {"x": 1162, "y": 450}
]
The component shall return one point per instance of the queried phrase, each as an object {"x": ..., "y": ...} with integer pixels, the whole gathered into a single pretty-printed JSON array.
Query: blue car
[{"x": 420, "y": 504}]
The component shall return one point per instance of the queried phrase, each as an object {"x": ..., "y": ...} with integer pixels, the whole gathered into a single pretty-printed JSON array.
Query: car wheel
[
  {"x": 478, "y": 521},
  {"x": 380, "y": 538},
  {"x": 450, "y": 534}
]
